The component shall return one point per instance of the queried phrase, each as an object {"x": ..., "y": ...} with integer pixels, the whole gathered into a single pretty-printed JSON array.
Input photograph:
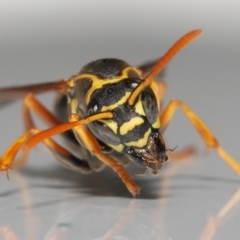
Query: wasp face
[
  {"x": 133, "y": 131},
  {"x": 135, "y": 128},
  {"x": 152, "y": 155}
]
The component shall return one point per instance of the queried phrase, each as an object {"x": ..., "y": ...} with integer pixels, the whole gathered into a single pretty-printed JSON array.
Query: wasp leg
[
  {"x": 69, "y": 138},
  {"x": 88, "y": 140},
  {"x": 93, "y": 146},
  {"x": 203, "y": 130},
  {"x": 60, "y": 153}
]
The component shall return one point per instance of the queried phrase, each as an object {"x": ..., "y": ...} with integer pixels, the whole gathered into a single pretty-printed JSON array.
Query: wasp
[{"x": 110, "y": 114}]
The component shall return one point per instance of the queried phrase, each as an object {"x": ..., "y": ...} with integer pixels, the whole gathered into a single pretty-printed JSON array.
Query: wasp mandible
[{"x": 110, "y": 113}]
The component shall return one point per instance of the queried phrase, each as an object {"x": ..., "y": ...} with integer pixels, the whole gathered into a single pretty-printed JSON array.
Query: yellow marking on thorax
[
  {"x": 139, "y": 107},
  {"x": 141, "y": 142},
  {"x": 98, "y": 82},
  {"x": 118, "y": 147},
  {"x": 111, "y": 124},
  {"x": 130, "y": 125},
  {"x": 115, "y": 105}
]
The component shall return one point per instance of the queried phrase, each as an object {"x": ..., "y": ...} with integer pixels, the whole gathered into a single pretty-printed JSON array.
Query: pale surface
[{"x": 49, "y": 40}]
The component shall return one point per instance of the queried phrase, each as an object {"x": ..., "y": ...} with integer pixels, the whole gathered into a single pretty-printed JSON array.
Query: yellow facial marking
[
  {"x": 115, "y": 105},
  {"x": 139, "y": 107},
  {"x": 71, "y": 81},
  {"x": 141, "y": 142},
  {"x": 73, "y": 105},
  {"x": 157, "y": 124},
  {"x": 118, "y": 148},
  {"x": 100, "y": 82},
  {"x": 130, "y": 125},
  {"x": 111, "y": 124}
]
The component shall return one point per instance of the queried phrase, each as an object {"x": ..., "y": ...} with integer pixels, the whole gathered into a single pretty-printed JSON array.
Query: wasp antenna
[
  {"x": 163, "y": 61},
  {"x": 40, "y": 136},
  {"x": 176, "y": 47}
]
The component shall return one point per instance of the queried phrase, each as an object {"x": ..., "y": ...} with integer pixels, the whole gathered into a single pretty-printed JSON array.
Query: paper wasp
[{"x": 110, "y": 112}]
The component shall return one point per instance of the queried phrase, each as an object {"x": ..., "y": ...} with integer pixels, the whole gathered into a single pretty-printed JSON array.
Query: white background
[{"x": 46, "y": 40}]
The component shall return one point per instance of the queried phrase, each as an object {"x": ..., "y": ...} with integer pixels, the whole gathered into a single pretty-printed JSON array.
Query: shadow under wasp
[{"x": 110, "y": 113}]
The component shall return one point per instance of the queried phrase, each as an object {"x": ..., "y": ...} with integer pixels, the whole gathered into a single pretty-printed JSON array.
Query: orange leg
[
  {"x": 62, "y": 155},
  {"x": 89, "y": 141},
  {"x": 203, "y": 130},
  {"x": 31, "y": 103},
  {"x": 93, "y": 146}
]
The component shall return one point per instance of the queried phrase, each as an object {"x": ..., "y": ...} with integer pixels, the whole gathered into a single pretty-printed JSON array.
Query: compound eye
[
  {"x": 102, "y": 131},
  {"x": 150, "y": 106}
]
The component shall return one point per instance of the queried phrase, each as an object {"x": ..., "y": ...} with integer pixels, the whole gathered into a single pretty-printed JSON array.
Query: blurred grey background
[{"x": 46, "y": 40}]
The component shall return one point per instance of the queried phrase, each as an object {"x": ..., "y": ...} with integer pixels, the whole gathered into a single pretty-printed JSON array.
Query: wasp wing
[{"x": 10, "y": 94}]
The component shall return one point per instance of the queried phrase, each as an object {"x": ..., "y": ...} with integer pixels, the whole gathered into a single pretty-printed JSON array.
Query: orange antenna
[
  {"x": 39, "y": 137},
  {"x": 162, "y": 62}
]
